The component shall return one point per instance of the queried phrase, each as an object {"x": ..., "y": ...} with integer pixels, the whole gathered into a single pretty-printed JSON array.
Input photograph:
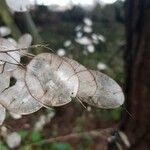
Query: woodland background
[{"x": 123, "y": 53}]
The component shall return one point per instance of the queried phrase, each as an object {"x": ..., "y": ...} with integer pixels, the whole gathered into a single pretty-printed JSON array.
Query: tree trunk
[{"x": 137, "y": 70}]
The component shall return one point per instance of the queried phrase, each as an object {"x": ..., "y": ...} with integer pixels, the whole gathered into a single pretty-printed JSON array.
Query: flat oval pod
[
  {"x": 16, "y": 98},
  {"x": 51, "y": 80},
  {"x": 87, "y": 84},
  {"x": 4, "y": 81},
  {"x": 25, "y": 41},
  {"x": 108, "y": 94},
  {"x": 2, "y": 114},
  {"x": 8, "y": 55},
  {"x": 4, "y": 31},
  {"x": 18, "y": 5}
]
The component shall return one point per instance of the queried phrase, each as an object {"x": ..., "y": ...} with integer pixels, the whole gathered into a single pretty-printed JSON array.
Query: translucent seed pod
[
  {"x": 87, "y": 84},
  {"x": 18, "y": 5},
  {"x": 2, "y": 114},
  {"x": 108, "y": 94},
  {"x": 4, "y": 81},
  {"x": 51, "y": 80},
  {"x": 16, "y": 98},
  {"x": 8, "y": 57},
  {"x": 25, "y": 41}
]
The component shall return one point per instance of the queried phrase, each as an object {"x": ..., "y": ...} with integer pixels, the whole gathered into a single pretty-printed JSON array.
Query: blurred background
[{"x": 93, "y": 33}]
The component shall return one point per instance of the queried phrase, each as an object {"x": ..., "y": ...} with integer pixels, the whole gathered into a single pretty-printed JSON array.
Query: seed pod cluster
[{"x": 50, "y": 80}]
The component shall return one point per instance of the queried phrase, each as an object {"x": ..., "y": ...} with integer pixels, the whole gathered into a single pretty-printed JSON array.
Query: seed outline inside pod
[
  {"x": 55, "y": 78},
  {"x": 87, "y": 84}
]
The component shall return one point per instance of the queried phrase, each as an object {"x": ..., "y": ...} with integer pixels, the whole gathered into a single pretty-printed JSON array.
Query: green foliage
[
  {"x": 35, "y": 136},
  {"x": 23, "y": 134},
  {"x": 2, "y": 146},
  {"x": 60, "y": 146}
]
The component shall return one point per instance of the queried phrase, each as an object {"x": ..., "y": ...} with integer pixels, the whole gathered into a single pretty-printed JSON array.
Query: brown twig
[{"x": 102, "y": 133}]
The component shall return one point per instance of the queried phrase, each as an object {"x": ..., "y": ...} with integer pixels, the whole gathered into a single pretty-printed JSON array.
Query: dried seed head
[
  {"x": 25, "y": 41},
  {"x": 108, "y": 94},
  {"x": 2, "y": 114},
  {"x": 51, "y": 80},
  {"x": 7, "y": 56},
  {"x": 87, "y": 84},
  {"x": 16, "y": 98}
]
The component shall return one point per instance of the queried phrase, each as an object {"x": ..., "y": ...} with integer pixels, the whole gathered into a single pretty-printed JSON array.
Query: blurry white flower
[
  {"x": 83, "y": 41},
  {"x": 89, "y": 108},
  {"x": 43, "y": 120},
  {"x": 13, "y": 140},
  {"x": 3, "y": 131},
  {"x": 101, "y": 38},
  {"x": 78, "y": 28},
  {"x": 88, "y": 21},
  {"x": 67, "y": 43},
  {"x": 50, "y": 116},
  {"x": 40, "y": 123},
  {"x": 95, "y": 38},
  {"x": 79, "y": 34},
  {"x": 87, "y": 29},
  {"x": 4, "y": 31},
  {"x": 101, "y": 66},
  {"x": 61, "y": 52},
  {"x": 90, "y": 48}
]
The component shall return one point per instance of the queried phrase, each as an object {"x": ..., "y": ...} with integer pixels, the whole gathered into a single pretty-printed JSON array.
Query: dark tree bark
[{"x": 137, "y": 70}]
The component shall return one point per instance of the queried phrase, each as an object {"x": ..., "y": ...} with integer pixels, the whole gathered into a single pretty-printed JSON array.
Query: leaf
[
  {"x": 35, "y": 136},
  {"x": 60, "y": 146}
]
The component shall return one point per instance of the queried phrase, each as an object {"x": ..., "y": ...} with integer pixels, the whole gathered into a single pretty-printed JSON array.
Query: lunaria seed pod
[
  {"x": 51, "y": 80},
  {"x": 17, "y": 98},
  {"x": 96, "y": 88}
]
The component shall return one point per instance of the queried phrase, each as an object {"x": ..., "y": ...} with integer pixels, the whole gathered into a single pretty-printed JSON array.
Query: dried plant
[{"x": 49, "y": 80}]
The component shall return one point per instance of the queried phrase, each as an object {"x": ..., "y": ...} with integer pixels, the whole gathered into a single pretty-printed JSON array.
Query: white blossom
[
  {"x": 83, "y": 40},
  {"x": 67, "y": 43},
  {"x": 87, "y": 29},
  {"x": 79, "y": 34},
  {"x": 13, "y": 140},
  {"x": 88, "y": 21},
  {"x": 101, "y": 66},
  {"x": 90, "y": 48},
  {"x": 61, "y": 52}
]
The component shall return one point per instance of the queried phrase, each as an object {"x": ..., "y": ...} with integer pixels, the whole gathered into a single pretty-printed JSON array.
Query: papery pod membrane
[
  {"x": 8, "y": 57},
  {"x": 18, "y": 5},
  {"x": 25, "y": 41},
  {"x": 4, "y": 81},
  {"x": 108, "y": 94},
  {"x": 2, "y": 114},
  {"x": 4, "y": 84},
  {"x": 17, "y": 98},
  {"x": 51, "y": 80},
  {"x": 87, "y": 84}
]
